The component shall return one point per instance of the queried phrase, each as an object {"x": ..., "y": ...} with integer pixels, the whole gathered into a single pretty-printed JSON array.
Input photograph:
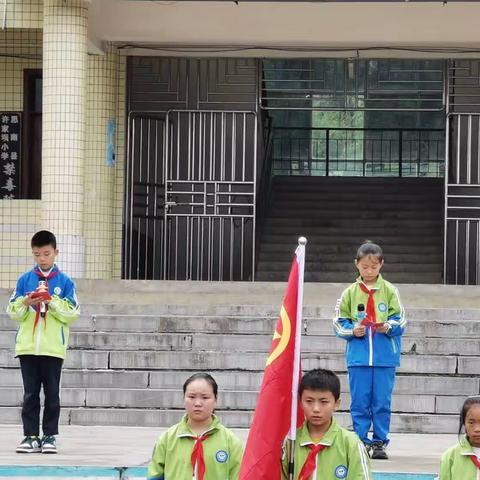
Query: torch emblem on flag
[{"x": 280, "y": 339}]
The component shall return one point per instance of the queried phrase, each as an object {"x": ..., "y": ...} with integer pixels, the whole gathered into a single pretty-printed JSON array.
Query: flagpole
[{"x": 300, "y": 257}]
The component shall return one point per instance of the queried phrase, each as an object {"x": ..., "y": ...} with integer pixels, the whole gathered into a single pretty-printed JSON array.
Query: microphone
[
  {"x": 42, "y": 284},
  {"x": 361, "y": 314}
]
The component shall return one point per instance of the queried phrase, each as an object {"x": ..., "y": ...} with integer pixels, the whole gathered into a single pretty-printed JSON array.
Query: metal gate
[
  {"x": 144, "y": 244},
  {"x": 462, "y": 174},
  {"x": 190, "y": 203},
  {"x": 462, "y": 209},
  {"x": 210, "y": 178}
]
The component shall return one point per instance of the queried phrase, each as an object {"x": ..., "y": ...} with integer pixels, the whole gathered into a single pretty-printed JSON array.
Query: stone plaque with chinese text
[{"x": 10, "y": 145}]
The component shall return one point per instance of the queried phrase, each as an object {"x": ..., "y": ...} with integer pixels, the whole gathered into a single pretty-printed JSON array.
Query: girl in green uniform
[
  {"x": 462, "y": 461},
  {"x": 199, "y": 447}
]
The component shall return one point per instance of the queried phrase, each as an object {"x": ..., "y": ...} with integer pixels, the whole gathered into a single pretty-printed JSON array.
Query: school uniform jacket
[
  {"x": 456, "y": 464},
  {"x": 344, "y": 458},
  {"x": 171, "y": 458},
  {"x": 49, "y": 335},
  {"x": 374, "y": 349}
]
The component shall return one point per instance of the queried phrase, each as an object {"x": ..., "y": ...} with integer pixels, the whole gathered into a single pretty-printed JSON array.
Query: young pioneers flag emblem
[{"x": 277, "y": 414}]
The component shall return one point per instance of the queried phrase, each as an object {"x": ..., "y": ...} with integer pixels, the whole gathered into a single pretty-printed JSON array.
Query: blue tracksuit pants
[{"x": 371, "y": 392}]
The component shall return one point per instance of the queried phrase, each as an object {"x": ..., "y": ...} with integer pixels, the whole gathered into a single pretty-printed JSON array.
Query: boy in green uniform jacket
[
  {"x": 323, "y": 449},
  {"x": 199, "y": 447},
  {"x": 44, "y": 304}
]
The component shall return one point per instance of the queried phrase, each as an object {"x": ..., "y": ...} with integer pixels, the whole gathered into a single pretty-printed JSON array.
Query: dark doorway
[{"x": 31, "y": 165}]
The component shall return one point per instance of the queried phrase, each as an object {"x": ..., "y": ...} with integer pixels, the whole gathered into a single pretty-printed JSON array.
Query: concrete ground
[{"x": 132, "y": 446}]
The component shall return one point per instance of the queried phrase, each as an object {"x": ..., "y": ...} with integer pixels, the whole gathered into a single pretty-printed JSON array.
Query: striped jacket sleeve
[
  {"x": 65, "y": 309},
  {"x": 342, "y": 323},
  {"x": 16, "y": 308},
  {"x": 396, "y": 315},
  {"x": 359, "y": 462}
]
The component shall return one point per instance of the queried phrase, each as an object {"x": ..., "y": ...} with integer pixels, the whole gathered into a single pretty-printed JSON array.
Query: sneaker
[
  {"x": 30, "y": 444},
  {"x": 378, "y": 451},
  {"x": 368, "y": 448},
  {"x": 48, "y": 444}
]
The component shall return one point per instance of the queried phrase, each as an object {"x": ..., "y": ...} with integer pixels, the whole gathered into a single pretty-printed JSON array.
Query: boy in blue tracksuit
[{"x": 373, "y": 346}]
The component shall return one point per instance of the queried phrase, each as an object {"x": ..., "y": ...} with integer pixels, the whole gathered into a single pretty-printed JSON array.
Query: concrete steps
[
  {"x": 127, "y": 362},
  {"x": 405, "y": 216}
]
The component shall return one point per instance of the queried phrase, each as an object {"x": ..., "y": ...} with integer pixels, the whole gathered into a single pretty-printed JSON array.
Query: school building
[{"x": 197, "y": 140}]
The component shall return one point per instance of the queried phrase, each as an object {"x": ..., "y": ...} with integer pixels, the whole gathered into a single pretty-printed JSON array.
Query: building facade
[{"x": 139, "y": 131}]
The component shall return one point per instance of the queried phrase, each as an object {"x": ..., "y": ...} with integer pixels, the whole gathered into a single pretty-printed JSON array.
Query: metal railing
[{"x": 358, "y": 152}]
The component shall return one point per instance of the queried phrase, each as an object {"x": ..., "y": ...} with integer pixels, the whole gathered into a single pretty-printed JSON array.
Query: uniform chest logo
[
  {"x": 341, "y": 471},
  {"x": 57, "y": 290},
  {"x": 221, "y": 456},
  {"x": 382, "y": 307}
]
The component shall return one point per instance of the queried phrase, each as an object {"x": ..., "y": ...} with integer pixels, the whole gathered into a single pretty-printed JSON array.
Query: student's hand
[
  {"x": 383, "y": 328},
  {"x": 359, "y": 331},
  {"x": 29, "y": 301}
]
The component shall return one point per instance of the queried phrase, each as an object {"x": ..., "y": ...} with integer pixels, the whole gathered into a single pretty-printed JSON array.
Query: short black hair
[
  {"x": 467, "y": 404},
  {"x": 201, "y": 376},
  {"x": 321, "y": 380},
  {"x": 44, "y": 238},
  {"x": 369, "y": 248}
]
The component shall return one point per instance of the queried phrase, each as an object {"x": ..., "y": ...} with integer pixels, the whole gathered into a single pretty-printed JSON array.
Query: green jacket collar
[
  {"x": 185, "y": 431},
  {"x": 303, "y": 435},
  {"x": 377, "y": 285},
  {"x": 465, "y": 447}
]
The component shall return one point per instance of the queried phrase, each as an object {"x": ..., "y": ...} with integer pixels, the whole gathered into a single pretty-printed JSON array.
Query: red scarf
[
  {"x": 475, "y": 461},
  {"x": 371, "y": 315},
  {"x": 41, "y": 276},
  {"x": 197, "y": 457},
  {"x": 309, "y": 465}
]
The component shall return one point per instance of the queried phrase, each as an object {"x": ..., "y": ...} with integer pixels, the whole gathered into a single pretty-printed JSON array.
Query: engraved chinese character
[
  {"x": 4, "y": 147},
  {"x": 9, "y": 185},
  {"x": 8, "y": 196},
  {"x": 4, "y": 137},
  {"x": 14, "y": 155},
  {"x": 14, "y": 119},
  {"x": 5, "y": 119},
  {"x": 14, "y": 137},
  {"x": 4, "y": 155},
  {"x": 5, "y": 128},
  {"x": 9, "y": 169}
]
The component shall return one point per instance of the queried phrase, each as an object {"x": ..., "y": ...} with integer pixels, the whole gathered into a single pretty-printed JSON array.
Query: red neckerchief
[
  {"x": 309, "y": 465},
  {"x": 371, "y": 318},
  {"x": 197, "y": 457},
  {"x": 46, "y": 278},
  {"x": 475, "y": 461}
]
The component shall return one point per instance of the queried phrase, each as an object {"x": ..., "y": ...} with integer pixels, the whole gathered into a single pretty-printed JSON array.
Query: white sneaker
[
  {"x": 48, "y": 444},
  {"x": 29, "y": 444}
]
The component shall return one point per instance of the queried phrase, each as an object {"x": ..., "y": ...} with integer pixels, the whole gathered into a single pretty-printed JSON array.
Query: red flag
[{"x": 277, "y": 412}]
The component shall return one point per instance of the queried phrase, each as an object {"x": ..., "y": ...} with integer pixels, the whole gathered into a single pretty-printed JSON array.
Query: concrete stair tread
[
  {"x": 164, "y": 398},
  {"x": 401, "y": 422}
]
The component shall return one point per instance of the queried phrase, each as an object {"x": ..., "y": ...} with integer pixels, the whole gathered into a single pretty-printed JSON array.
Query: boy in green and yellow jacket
[
  {"x": 323, "y": 449},
  {"x": 44, "y": 304}
]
